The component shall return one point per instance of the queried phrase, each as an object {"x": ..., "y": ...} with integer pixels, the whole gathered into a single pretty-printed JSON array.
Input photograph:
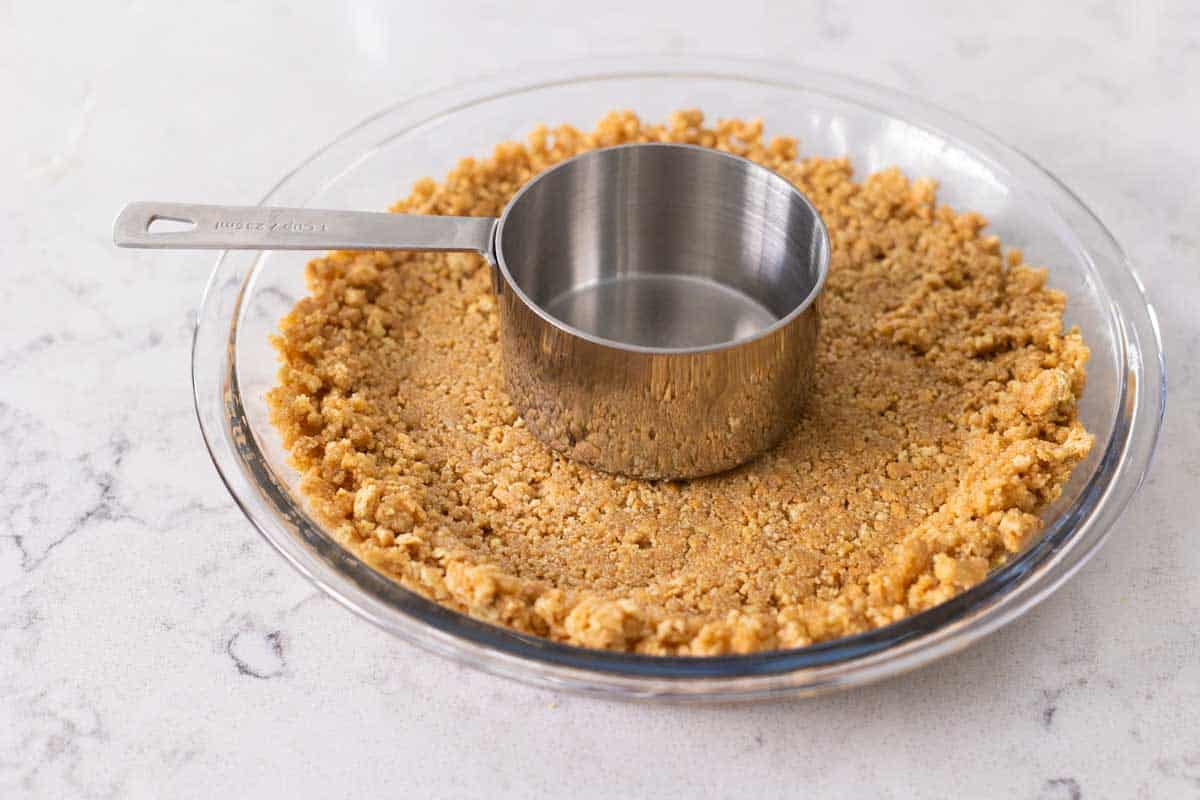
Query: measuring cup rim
[{"x": 497, "y": 251}]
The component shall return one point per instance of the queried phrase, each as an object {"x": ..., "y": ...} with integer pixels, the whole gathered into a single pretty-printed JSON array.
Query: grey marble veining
[{"x": 152, "y": 645}]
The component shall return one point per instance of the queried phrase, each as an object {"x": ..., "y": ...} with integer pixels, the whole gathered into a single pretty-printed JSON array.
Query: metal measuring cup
[{"x": 657, "y": 301}]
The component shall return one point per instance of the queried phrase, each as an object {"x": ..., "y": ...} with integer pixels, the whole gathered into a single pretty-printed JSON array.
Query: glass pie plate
[{"x": 375, "y": 163}]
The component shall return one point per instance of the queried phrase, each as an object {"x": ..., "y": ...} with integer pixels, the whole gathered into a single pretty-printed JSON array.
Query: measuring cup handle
[{"x": 189, "y": 226}]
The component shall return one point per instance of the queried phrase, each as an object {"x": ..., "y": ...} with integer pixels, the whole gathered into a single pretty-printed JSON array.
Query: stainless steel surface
[
  {"x": 259, "y": 228},
  {"x": 672, "y": 311},
  {"x": 658, "y": 313}
]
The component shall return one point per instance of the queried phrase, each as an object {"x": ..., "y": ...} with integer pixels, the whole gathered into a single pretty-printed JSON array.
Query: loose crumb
[{"x": 943, "y": 418}]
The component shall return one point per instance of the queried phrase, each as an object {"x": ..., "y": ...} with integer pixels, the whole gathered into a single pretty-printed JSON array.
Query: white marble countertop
[{"x": 152, "y": 645}]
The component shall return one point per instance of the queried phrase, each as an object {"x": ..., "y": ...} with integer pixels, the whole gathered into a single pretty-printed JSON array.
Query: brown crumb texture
[{"x": 943, "y": 418}]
